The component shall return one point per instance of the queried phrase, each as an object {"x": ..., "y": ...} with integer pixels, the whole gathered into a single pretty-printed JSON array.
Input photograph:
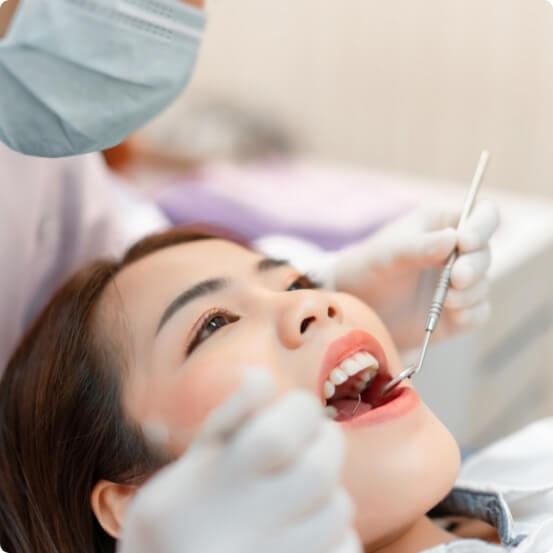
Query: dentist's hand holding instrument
[
  {"x": 442, "y": 287},
  {"x": 262, "y": 476},
  {"x": 396, "y": 270}
]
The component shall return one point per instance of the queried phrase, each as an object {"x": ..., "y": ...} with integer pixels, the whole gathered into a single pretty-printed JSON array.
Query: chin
[{"x": 396, "y": 477}]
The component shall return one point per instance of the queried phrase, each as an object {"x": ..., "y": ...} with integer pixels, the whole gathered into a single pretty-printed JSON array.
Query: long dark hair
[{"x": 62, "y": 425}]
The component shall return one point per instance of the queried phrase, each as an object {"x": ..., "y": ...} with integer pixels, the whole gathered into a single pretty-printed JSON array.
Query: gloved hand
[
  {"x": 262, "y": 477},
  {"x": 396, "y": 270}
]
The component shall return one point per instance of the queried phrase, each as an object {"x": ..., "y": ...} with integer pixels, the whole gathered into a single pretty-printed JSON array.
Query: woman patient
[{"x": 146, "y": 339}]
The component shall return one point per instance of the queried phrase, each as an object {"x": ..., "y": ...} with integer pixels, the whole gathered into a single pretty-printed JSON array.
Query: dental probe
[{"x": 444, "y": 280}]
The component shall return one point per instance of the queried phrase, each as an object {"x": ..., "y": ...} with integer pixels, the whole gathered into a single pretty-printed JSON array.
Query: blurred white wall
[{"x": 412, "y": 86}]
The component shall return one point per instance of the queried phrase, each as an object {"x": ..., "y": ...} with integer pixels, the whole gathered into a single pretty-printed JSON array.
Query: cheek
[
  {"x": 198, "y": 391},
  {"x": 186, "y": 396},
  {"x": 185, "y": 400}
]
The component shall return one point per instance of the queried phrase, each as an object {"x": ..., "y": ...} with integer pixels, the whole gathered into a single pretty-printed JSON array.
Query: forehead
[{"x": 182, "y": 265}]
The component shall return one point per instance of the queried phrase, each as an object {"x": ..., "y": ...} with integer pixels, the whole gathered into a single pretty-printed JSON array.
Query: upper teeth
[
  {"x": 337, "y": 377},
  {"x": 363, "y": 365}
]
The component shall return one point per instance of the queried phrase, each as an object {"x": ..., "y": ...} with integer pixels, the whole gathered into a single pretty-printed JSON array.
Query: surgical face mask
[{"x": 80, "y": 75}]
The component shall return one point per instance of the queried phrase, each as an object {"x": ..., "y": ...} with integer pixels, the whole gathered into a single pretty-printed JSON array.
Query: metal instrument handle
[{"x": 440, "y": 294}]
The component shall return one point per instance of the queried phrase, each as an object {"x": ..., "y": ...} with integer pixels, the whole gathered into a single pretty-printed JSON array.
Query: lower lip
[{"x": 406, "y": 401}]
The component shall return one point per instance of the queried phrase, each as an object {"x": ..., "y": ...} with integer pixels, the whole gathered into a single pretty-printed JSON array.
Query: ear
[{"x": 109, "y": 502}]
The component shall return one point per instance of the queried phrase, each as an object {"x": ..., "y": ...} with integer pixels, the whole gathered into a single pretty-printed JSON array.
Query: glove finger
[
  {"x": 310, "y": 481},
  {"x": 350, "y": 544},
  {"x": 320, "y": 532},
  {"x": 464, "y": 319},
  {"x": 479, "y": 227},
  {"x": 440, "y": 217},
  {"x": 429, "y": 249},
  {"x": 273, "y": 439},
  {"x": 469, "y": 297},
  {"x": 470, "y": 268},
  {"x": 257, "y": 390}
]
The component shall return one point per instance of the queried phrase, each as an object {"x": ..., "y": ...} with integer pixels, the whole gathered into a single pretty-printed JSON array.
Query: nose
[{"x": 302, "y": 312}]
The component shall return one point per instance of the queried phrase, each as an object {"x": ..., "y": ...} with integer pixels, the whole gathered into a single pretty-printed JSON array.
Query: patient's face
[{"x": 237, "y": 313}]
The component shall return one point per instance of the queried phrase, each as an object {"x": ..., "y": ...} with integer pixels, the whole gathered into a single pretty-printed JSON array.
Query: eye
[
  {"x": 211, "y": 323},
  {"x": 303, "y": 282}
]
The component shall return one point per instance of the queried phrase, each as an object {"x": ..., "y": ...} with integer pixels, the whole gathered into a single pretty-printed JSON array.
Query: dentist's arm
[{"x": 263, "y": 477}]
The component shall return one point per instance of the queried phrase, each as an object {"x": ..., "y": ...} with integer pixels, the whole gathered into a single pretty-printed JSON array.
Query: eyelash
[
  {"x": 304, "y": 282},
  {"x": 307, "y": 282}
]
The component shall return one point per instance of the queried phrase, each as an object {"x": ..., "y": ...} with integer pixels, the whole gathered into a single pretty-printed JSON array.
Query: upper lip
[{"x": 346, "y": 346}]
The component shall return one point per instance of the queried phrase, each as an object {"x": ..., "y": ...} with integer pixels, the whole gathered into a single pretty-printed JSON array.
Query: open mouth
[{"x": 354, "y": 372}]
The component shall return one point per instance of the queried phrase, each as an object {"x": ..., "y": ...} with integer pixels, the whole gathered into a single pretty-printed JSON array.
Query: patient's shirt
[{"x": 510, "y": 486}]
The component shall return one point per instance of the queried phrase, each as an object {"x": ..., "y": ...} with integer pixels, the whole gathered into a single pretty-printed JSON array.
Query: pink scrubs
[{"x": 55, "y": 215}]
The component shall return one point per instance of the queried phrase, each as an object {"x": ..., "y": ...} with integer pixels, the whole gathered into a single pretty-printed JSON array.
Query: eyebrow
[
  {"x": 268, "y": 263},
  {"x": 199, "y": 290},
  {"x": 206, "y": 287}
]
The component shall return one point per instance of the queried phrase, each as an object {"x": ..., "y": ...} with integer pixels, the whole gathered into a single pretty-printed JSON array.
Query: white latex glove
[
  {"x": 396, "y": 270},
  {"x": 262, "y": 477}
]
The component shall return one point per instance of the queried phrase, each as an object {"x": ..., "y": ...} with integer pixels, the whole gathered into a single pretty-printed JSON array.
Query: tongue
[{"x": 347, "y": 407}]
